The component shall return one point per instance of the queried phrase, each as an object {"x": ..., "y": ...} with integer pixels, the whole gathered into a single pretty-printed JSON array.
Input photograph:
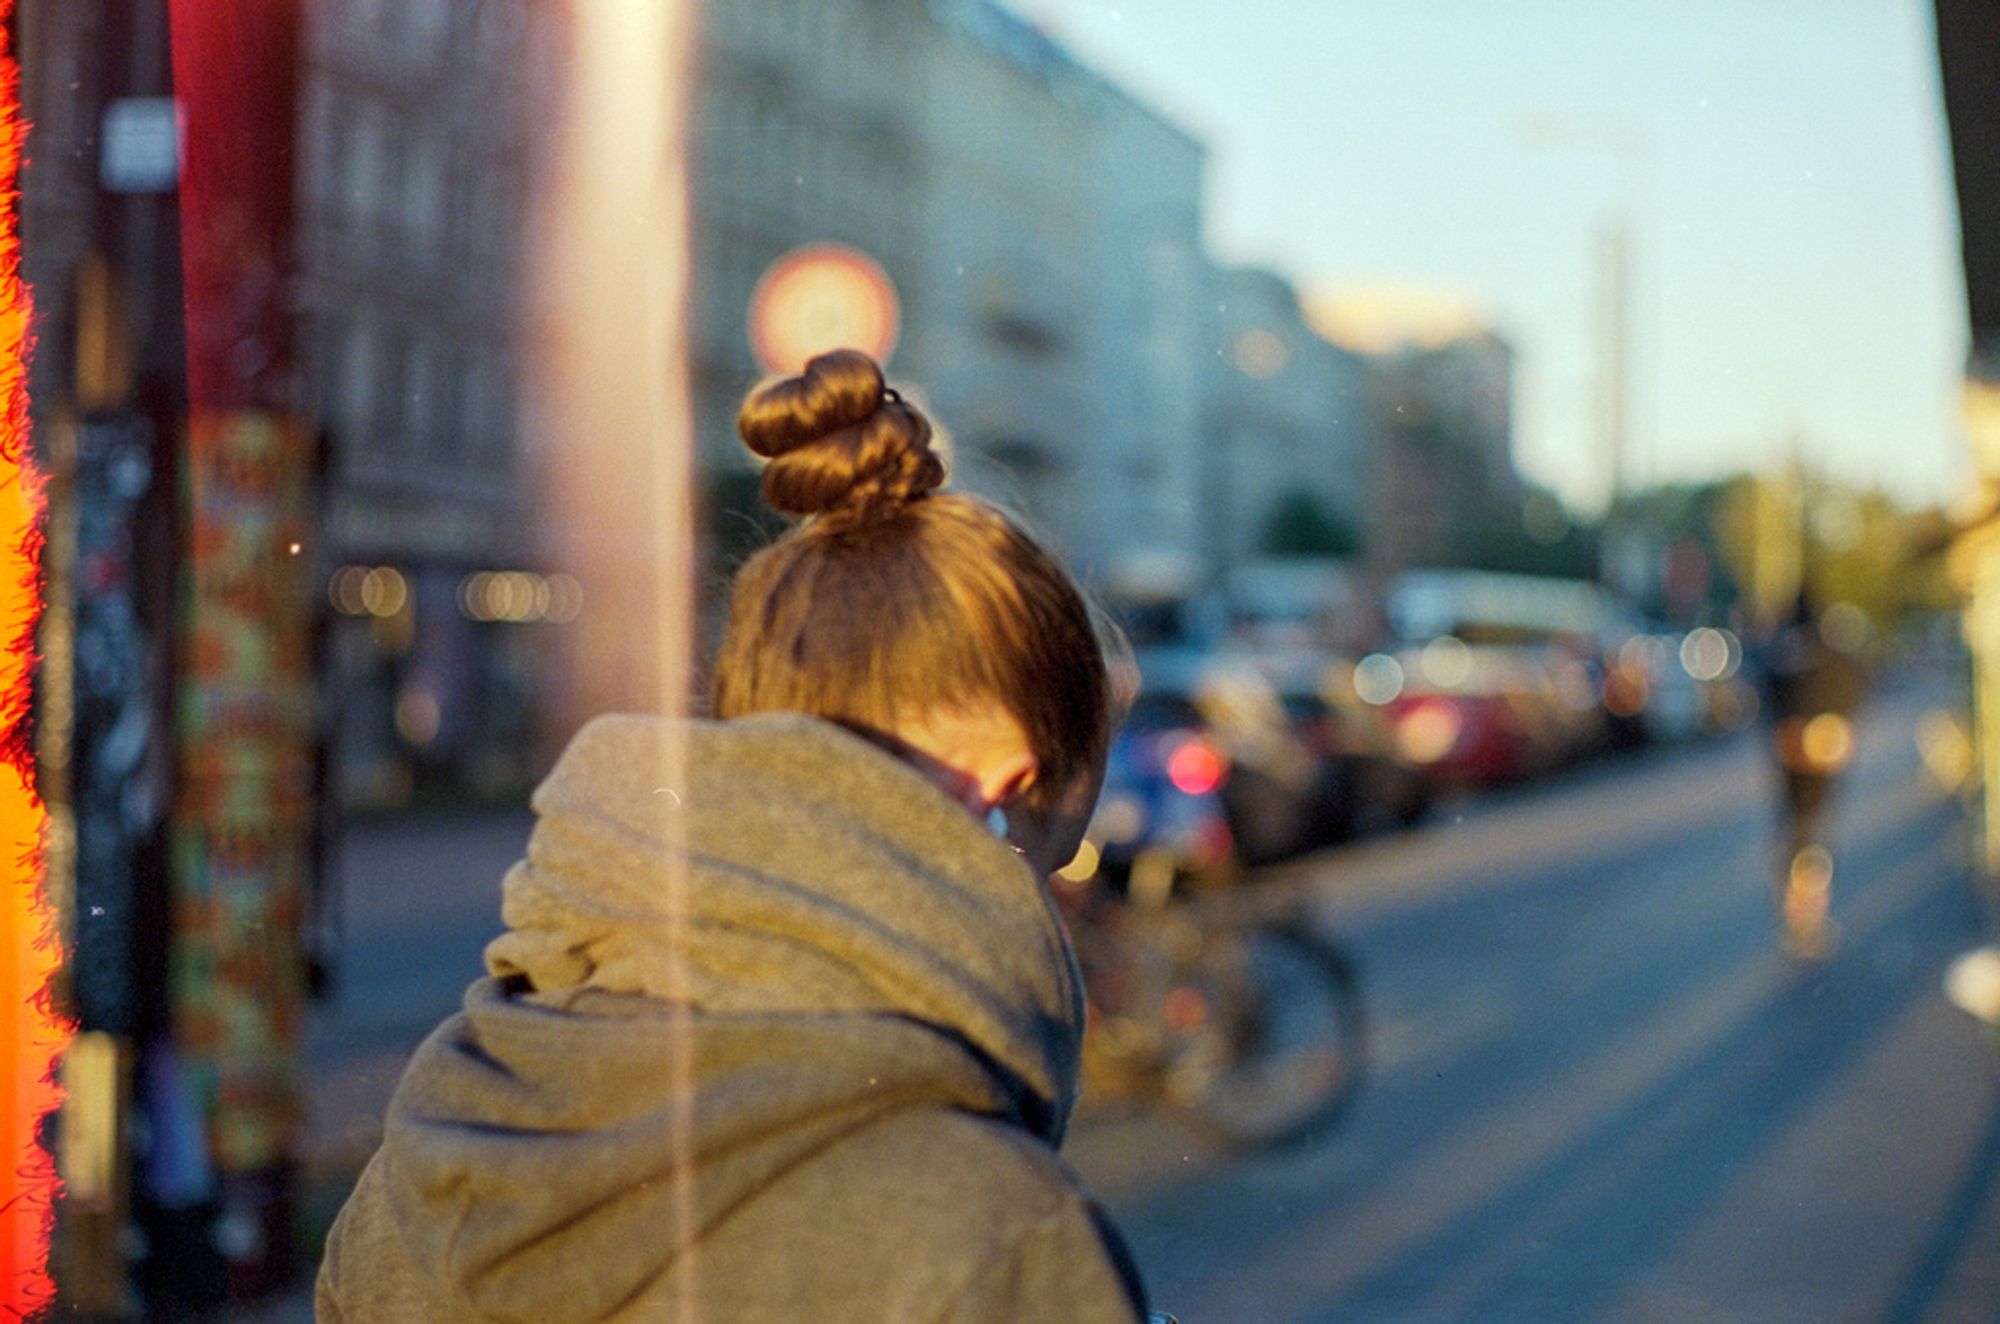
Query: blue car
[
  {"x": 1210, "y": 772},
  {"x": 1162, "y": 800}
]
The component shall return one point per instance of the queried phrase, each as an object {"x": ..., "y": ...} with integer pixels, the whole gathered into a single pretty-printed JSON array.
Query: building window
[
  {"x": 421, "y": 197},
  {"x": 385, "y": 209},
  {"x": 424, "y": 24},
  {"x": 391, "y": 416},
  {"x": 366, "y": 165},
  {"x": 419, "y": 398},
  {"x": 487, "y": 212},
  {"x": 353, "y": 404},
  {"x": 497, "y": 34},
  {"x": 488, "y": 412},
  {"x": 322, "y": 135},
  {"x": 329, "y": 350}
]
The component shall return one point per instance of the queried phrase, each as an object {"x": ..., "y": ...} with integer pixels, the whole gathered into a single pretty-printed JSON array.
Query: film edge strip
[{"x": 32, "y": 1042}]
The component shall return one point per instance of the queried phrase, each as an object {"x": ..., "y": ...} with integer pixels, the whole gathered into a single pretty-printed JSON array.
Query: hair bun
[{"x": 839, "y": 441}]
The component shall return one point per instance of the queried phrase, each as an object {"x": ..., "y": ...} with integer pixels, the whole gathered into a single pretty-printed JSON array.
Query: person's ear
[{"x": 1004, "y": 778}]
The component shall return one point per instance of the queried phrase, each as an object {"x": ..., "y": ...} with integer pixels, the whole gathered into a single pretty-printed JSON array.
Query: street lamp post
[
  {"x": 1614, "y": 348},
  {"x": 1612, "y": 277}
]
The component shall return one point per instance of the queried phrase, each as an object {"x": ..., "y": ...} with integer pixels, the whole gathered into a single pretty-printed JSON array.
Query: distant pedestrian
[
  {"x": 795, "y": 1038},
  {"x": 1813, "y": 687}
]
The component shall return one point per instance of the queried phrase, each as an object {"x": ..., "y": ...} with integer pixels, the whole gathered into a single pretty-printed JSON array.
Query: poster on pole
[{"x": 244, "y": 800}]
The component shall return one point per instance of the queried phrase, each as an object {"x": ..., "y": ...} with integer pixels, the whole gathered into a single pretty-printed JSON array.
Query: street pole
[
  {"x": 1614, "y": 352},
  {"x": 1612, "y": 390},
  {"x": 243, "y": 800},
  {"x": 1612, "y": 278}
]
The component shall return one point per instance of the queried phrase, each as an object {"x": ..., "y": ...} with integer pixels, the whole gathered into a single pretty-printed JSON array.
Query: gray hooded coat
[{"x": 827, "y": 1086}]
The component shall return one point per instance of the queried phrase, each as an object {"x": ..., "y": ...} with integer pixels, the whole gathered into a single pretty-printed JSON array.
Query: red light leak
[{"x": 35, "y": 1034}]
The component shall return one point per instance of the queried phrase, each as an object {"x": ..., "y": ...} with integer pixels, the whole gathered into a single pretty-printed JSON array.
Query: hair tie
[{"x": 891, "y": 396}]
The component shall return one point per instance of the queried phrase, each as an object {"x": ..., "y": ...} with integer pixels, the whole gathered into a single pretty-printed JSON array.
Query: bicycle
[{"x": 1222, "y": 1003}]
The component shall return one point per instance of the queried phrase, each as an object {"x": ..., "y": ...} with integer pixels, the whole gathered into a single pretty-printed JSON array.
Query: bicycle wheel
[{"x": 1283, "y": 1032}]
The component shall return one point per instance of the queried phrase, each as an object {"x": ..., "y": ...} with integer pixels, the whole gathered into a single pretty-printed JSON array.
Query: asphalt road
[{"x": 1599, "y": 1093}]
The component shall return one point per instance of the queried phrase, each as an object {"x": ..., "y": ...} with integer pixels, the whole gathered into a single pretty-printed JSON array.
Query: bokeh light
[
  {"x": 1378, "y": 678},
  {"x": 1428, "y": 732},
  {"x": 1447, "y": 662},
  {"x": 1709, "y": 654},
  {"x": 1946, "y": 746},
  {"x": 1827, "y": 742},
  {"x": 1082, "y": 866},
  {"x": 1846, "y": 628}
]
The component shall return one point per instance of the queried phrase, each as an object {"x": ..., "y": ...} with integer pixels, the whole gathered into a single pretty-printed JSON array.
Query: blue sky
[{"x": 1782, "y": 164}]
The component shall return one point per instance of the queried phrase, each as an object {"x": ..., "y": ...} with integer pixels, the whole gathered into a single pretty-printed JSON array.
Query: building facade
[
  {"x": 1042, "y": 229},
  {"x": 416, "y": 155},
  {"x": 805, "y": 128},
  {"x": 1443, "y": 481},
  {"x": 1047, "y": 297},
  {"x": 1142, "y": 466},
  {"x": 1004, "y": 355},
  {"x": 1288, "y": 430},
  {"x": 1049, "y": 303}
]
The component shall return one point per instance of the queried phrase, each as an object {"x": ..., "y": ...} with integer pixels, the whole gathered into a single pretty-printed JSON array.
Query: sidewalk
[{"x": 420, "y": 899}]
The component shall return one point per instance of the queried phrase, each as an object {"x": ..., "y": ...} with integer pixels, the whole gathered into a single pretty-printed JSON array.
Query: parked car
[
  {"x": 1369, "y": 783},
  {"x": 1211, "y": 771},
  {"x": 1490, "y": 714},
  {"x": 1463, "y": 739},
  {"x": 1162, "y": 794},
  {"x": 1649, "y": 694}
]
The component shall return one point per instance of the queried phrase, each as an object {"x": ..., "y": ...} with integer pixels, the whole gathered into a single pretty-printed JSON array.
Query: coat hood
[{"x": 729, "y": 945}]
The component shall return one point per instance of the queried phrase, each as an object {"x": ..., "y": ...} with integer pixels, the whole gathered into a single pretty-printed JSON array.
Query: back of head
[{"x": 894, "y": 599}]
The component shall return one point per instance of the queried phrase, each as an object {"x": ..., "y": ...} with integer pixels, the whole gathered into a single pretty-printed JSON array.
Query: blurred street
[
  {"x": 421, "y": 898},
  {"x": 1597, "y": 1091}
]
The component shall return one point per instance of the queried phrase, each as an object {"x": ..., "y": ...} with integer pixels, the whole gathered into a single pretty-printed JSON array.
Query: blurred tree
[
  {"x": 1681, "y": 570},
  {"x": 1300, "y": 525},
  {"x": 1940, "y": 577},
  {"x": 1859, "y": 551},
  {"x": 1759, "y": 529},
  {"x": 1780, "y": 532},
  {"x": 1537, "y": 536}
]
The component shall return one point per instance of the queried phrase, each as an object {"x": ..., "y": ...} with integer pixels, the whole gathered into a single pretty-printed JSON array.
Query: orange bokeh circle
[{"x": 822, "y": 297}]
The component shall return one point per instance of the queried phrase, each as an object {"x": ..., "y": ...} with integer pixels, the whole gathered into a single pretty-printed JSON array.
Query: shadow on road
[{"x": 1930, "y": 1272}]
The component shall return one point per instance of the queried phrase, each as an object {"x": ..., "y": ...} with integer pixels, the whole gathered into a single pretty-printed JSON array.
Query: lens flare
[
  {"x": 1184, "y": 1009},
  {"x": 1625, "y": 691},
  {"x": 1120, "y": 820},
  {"x": 35, "y": 1036}
]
